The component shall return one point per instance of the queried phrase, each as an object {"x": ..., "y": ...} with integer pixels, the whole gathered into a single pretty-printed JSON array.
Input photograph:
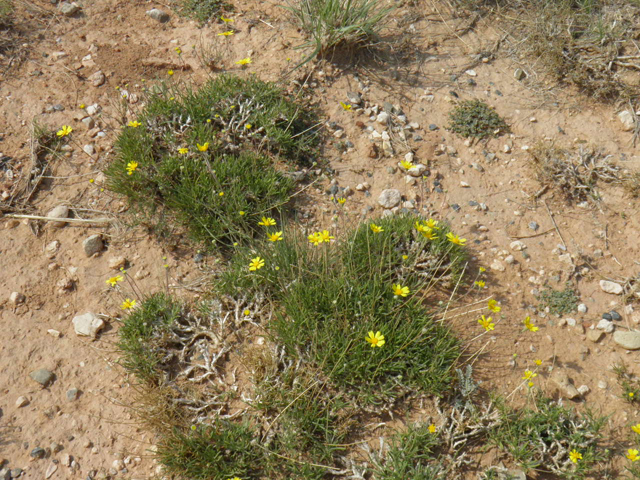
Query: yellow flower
[
  {"x": 204, "y": 147},
  {"x": 479, "y": 283},
  {"x": 183, "y": 151},
  {"x": 118, "y": 278},
  {"x": 82, "y": 106},
  {"x": 64, "y": 131},
  {"x": 486, "y": 323},
  {"x": 404, "y": 257},
  {"x": 632, "y": 454},
  {"x": 170, "y": 72},
  {"x": 315, "y": 238},
  {"x": 221, "y": 194},
  {"x": 246, "y": 312},
  {"x": 193, "y": 427},
  {"x": 267, "y": 222},
  {"x": 528, "y": 375},
  {"x": 432, "y": 428},
  {"x": 574, "y": 456},
  {"x": 399, "y": 290},
  {"x": 132, "y": 167},
  {"x": 341, "y": 200},
  {"x": 375, "y": 339},
  {"x": 428, "y": 233},
  {"x": 539, "y": 362},
  {"x": 482, "y": 269},
  {"x": 134, "y": 124},
  {"x": 227, "y": 20},
  {"x": 530, "y": 384},
  {"x": 325, "y": 236},
  {"x": 636, "y": 428},
  {"x": 529, "y": 325},
  {"x": 244, "y": 61},
  {"x": 345, "y": 106},
  {"x": 248, "y": 126},
  {"x": 456, "y": 239},
  {"x": 375, "y": 228},
  {"x": 256, "y": 264},
  {"x": 178, "y": 50},
  {"x": 493, "y": 306},
  {"x": 234, "y": 478},
  {"x": 241, "y": 213},
  {"x": 431, "y": 223},
  {"x": 91, "y": 180},
  {"x": 226, "y": 34},
  {"x": 407, "y": 165},
  {"x": 128, "y": 304},
  {"x": 274, "y": 237},
  {"x": 631, "y": 394}
]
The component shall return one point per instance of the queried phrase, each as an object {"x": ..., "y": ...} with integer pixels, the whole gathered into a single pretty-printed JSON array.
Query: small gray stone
[
  {"x": 51, "y": 469},
  {"x": 43, "y": 376},
  {"x": 16, "y": 472},
  {"x": 518, "y": 245},
  {"x": 534, "y": 226},
  {"x": 89, "y": 122},
  {"x": 390, "y": 198},
  {"x": 89, "y": 149},
  {"x": 16, "y": 298},
  {"x": 37, "y": 453},
  {"x": 61, "y": 211},
  {"x": 73, "y": 394},
  {"x": 87, "y": 325},
  {"x": 629, "y": 340},
  {"x": 497, "y": 266},
  {"x": 571, "y": 322},
  {"x": 158, "y": 15},
  {"x": 605, "y": 325},
  {"x": 22, "y": 401},
  {"x": 562, "y": 380},
  {"x": 615, "y": 316},
  {"x": 354, "y": 98},
  {"x": 611, "y": 287},
  {"x": 583, "y": 390},
  {"x": 417, "y": 170},
  {"x": 5, "y": 474},
  {"x": 627, "y": 119},
  {"x": 68, "y": 9},
  {"x": 582, "y": 308},
  {"x": 93, "y": 245},
  {"x": 519, "y": 74},
  {"x": 383, "y": 117}
]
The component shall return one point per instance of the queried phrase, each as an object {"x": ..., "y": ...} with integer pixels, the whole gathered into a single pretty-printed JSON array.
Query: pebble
[
  {"x": 497, "y": 266},
  {"x": 510, "y": 260},
  {"x": 387, "y": 149},
  {"x": 51, "y": 470},
  {"x": 16, "y": 472},
  {"x": 5, "y": 474},
  {"x": 118, "y": 464},
  {"x": 354, "y": 98},
  {"x": 583, "y": 390},
  {"x": 88, "y": 324},
  {"x": 517, "y": 246},
  {"x": 611, "y": 287},
  {"x": 534, "y": 226},
  {"x": 607, "y": 316},
  {"x": 464, "y": 184},
  {"x": 116, "y": 263},
  {"x": 97, "y": 79},
  {"x": 519, "y": 74},
  {"x": 433, "y": 127},
  {"x": 582, "y": 308},
  {"x": 158, "y": 15},
  {"x": 22, "y": 402},
  {"x": 629, "y": 340},
  {"x": 89, "y": 149},
  {"x": 595, "y": 335},
  {"x": 605, "y": 325},
  {"x": 92, "y": 245},
  {"x": 92, "y": 109},
  {"x": 562, "y": 380},
  {"x": 73, "y": 394},
  {"x": 389, "y": 198},
  {"x": 43, "y": 376},
  {"x": 61, "y": 211},
  {"x": 627, "y": 120},
  {"x": 16, "y": 298},
  {"x": 615, "y": 316},
  {"x": 383, "y": 117},
  {"x": 68, "y": 9},
  {"x": 417, "y": 170},
  {"x": 66, "y": 460},
  {"x": 571, "y": 322},
  {"x": 37, "y": 453}
]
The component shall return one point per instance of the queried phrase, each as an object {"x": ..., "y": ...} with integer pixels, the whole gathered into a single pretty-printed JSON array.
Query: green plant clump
[
  {"x": 207, "y": 158},
  {"x": 559, "y": 302},
  {"x": 203, "y": 10},
  {"x": 338, "y": 23},
  {"x": 544, "y": 437},
  {"x": 474, "y": 118},
  {"x": 333, "y": 295}
]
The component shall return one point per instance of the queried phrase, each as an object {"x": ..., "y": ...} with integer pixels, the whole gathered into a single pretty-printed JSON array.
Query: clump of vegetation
[
  {"x": 330, "y": 24},
  {"x": 630, "y": 384},
  {"x": 6, "y": 9},
  {"x": 474, "y": 118},
  {"x": 365, "y": 283},
  {"x": 203, "y": 10},
  {"x": 575, "y": 174},
  {"x": 559, "y": 302},
  {"x": 207, "y": 158},
  {"x": 552, "y": 438}
]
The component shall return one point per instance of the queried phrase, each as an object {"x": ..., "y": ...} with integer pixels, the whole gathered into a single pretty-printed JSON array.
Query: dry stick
[
  {"x": 535, "y": 235},
  {"x": 65, "y": 220},
  {"x": 555, "y": 225}
]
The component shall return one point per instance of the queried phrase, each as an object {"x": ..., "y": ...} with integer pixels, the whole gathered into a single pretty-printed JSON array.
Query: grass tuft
[
  {"x": 203, "y": 10},
  {"x": 559, "y": 302},
  {"x": 331, "y": 24},
  {"x": 474, "y": 118}
]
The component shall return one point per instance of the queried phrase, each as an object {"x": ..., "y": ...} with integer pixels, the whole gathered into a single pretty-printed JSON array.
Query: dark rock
[
  {"x": 38, "y": 453},
  {"x": 433, "y": 127},
  {"x": 43, "y": 376},
  {"x": 614, "y": 316},
  {"x": 607, "y": 316}
]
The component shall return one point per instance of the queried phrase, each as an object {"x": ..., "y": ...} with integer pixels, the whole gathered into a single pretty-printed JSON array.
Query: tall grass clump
[
  {"x": 208, "y": 158},
  {"x": 330, "y": 24}
]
